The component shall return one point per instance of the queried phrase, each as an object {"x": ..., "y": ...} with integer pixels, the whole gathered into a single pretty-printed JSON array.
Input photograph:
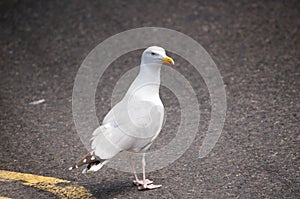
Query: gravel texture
[{"x": 255, "y": 45}]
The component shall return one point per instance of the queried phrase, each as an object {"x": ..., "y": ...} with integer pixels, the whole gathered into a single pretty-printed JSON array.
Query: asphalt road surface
[{"x": 255, "y": 45}]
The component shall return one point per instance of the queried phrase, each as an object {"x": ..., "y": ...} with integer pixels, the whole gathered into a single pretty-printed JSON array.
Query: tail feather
[{"x": 92, "y": 161}]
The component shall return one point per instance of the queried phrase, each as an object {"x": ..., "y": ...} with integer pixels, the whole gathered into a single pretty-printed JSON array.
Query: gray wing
[{"x": 128, "y": 126}]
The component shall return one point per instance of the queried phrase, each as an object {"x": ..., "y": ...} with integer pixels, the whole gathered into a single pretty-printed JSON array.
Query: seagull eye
[{"x": 153, "y": 53}]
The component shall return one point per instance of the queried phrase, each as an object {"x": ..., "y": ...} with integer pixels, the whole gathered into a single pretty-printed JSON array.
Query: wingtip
[{"x": 84, "y": 171}]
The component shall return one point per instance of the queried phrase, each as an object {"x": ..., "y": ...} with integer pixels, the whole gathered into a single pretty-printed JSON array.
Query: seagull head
[{"x": 156, "y": 55}]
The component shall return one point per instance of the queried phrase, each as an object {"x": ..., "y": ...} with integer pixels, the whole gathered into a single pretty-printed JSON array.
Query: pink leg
[
  {"x": 138, "y": 182},
  {"x": 146, "y": 184}
]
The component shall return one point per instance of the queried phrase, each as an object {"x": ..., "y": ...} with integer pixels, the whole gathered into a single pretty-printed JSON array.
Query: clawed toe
[
  {"x": 145, "y": 184},
  {"x": 148, "y": 187},
  {"x": 141, "y": 182}
]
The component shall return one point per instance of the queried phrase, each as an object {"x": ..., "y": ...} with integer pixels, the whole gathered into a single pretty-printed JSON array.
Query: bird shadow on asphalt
[{"x": 111, "y": 189}]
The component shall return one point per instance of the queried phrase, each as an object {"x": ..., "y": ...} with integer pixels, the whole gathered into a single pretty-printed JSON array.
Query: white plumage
[{"x": 134, "y": 122}]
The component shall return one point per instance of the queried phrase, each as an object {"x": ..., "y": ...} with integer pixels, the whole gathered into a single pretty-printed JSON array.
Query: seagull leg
[
  {"x": 146, "y": 185},
  {"x": 138, "y": 182}
]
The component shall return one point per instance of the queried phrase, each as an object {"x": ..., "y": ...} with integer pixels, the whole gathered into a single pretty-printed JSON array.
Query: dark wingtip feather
[{"x": 88, "y": 159}]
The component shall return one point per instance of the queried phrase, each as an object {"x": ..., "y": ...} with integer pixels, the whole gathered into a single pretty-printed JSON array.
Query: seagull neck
[
  {"x": 150, "y": 73},
  {"x": 147, "y": 82}
]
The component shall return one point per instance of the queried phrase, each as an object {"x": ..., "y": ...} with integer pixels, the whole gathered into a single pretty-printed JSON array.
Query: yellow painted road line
[{"x": 49, "y": 184}]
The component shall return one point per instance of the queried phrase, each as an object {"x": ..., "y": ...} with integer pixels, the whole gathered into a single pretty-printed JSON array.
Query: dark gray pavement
[{"x": 255, "y": 45}]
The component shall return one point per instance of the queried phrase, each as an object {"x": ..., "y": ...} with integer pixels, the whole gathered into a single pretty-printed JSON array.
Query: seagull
[{"x": 134, "y": 122}]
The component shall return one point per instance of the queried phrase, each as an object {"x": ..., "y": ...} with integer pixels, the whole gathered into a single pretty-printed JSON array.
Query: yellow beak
[{"x": 168, "y": 60}]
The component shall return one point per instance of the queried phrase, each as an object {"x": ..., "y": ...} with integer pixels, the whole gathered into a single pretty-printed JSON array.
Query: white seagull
[{"x": 134, "y": 122}]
